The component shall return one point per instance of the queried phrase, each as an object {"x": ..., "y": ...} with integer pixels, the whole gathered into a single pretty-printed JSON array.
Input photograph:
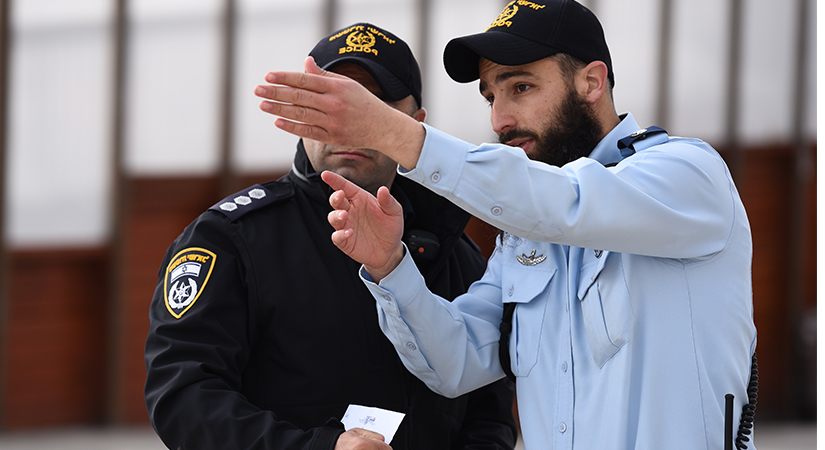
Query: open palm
[{"x": 367, "y": 228}]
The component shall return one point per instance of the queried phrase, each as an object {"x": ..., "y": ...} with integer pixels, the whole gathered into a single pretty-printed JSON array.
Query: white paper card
[{"x": 381, "y": 421}]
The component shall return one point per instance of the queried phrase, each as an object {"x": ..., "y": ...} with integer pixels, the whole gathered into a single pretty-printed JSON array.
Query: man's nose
[{"x": 501, "y": 118}]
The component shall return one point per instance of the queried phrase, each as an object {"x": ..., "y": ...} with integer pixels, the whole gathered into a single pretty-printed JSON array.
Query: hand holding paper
[
  {"x": 377, "y": 420},
  {"x": 361, "y": 439}
]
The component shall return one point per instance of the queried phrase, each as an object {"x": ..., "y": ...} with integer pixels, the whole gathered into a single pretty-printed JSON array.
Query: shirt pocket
[
  {"x": 527, "y": 287},
  {"x": 606, "y": 307}
]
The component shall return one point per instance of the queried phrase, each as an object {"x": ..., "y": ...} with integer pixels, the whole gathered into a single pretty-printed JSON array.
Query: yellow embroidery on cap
[
  {"x": 503, "y": 19},
  {"x": 535, "y": 6},
  {"x": 360, "y": 39},
  {"x": 347, "y": 31},
  {"x": 377, "y": 32}
]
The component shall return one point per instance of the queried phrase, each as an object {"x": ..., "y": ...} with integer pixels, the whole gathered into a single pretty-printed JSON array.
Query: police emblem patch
[
  {"x": 185, "y": 278},
  {"x": 360, "y": 41}
]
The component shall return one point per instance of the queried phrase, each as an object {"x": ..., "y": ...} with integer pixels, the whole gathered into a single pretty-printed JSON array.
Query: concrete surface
[{"x": 769, "y": 436}]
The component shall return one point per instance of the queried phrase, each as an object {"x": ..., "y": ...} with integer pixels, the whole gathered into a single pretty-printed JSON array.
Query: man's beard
[{"x": 573, "y": 133}]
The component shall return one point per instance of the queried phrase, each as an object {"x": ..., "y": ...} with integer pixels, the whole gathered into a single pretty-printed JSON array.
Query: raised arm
[{"x": 334, "y": 109}]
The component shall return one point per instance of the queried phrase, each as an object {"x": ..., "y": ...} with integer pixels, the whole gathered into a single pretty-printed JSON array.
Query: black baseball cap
[
  {"x": 387, "y": 58},
  {"x": 527, "y": 31}
]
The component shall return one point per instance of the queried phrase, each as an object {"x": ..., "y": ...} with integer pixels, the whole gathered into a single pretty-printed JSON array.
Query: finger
[
  {"x": 293, "y": 104},
  {"x": 292, "y": 96},
  {"x": 303, "y": 130},
  {"x": 388, "y": 203},
  {"x": 339, "y": 201},
  {"x": 337, "y": 219},
  {"x": 300, "y": 113},
  {"x": 335, "y": 181},
  {"x": 339, "y": 183},
  {"x": 312, "y": 68},
  {"x": 301, "y": 80},
  {"x": 339, "y": 237}
]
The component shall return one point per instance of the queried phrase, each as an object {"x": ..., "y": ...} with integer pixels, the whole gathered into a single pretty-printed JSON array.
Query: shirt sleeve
[
  {"x": 459, "y": 338},
  {"x": 673, "y": 200}
]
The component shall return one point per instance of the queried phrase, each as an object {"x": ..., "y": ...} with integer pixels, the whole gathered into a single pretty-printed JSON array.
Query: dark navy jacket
[{"x": 262, "y": 333}]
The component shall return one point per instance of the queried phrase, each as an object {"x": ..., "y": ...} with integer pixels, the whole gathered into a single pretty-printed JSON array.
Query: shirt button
[
  {"x": 510, "y": 292},
  {"x": 411, "y": 346},
  {"x": 564, "y": 367},
  {"x": 387, "y": 298},
  {"x": 435, "y": 177},
  {"x": 562, "y": 427},
  {"x": 496, "y": 210}
]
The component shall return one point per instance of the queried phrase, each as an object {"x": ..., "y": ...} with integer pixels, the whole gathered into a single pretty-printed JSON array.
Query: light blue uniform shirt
[{"x": 635, "y": 323}]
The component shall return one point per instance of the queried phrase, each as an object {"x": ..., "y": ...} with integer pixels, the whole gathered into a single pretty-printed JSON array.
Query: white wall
[
  {"x": 58, "y": 161},
  {"x": 59, "y": 177}
]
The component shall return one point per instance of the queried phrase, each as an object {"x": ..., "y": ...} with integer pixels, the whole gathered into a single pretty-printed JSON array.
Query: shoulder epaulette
[
  {"x": 249, "y": 199},
  {"x": 627, "y": 145}
]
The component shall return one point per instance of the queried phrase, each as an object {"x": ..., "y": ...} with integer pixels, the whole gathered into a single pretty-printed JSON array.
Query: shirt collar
[{"x": 607, "y": 150}]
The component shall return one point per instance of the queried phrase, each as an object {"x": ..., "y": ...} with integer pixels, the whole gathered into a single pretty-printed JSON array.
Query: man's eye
[{"x": 522, "y": 87}]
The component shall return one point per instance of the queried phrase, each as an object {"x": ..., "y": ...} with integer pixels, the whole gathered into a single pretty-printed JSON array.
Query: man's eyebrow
[{"x": 504, "y": 76}]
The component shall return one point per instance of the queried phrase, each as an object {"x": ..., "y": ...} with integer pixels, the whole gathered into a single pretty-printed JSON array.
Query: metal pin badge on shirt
[{"x": 531, "y": 260}]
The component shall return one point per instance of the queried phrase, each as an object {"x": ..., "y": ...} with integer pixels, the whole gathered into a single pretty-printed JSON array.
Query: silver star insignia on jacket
[{"x": 531, "y": 260}]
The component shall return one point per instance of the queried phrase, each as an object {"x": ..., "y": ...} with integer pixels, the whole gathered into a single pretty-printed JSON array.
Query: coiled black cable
[{"x": 749, "y": 409}]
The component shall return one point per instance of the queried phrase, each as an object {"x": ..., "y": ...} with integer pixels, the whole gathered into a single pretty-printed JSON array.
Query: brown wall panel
[
  {"x": 57, "y": 343},
  {"x": 482, "y": 234},
  {"x": 767, "y": 187},
  {"x": 765, "y": 193},
  {"x": 158, "y": 210}
]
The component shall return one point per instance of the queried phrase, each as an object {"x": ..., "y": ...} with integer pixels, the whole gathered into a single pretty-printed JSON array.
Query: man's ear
[
  {"x": 420, "y": 115},
  {"x": 593, "y": 81}
]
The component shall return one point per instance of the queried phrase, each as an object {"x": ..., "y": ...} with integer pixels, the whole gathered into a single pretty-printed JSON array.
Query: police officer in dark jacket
[{"x": 262, "y": 334}]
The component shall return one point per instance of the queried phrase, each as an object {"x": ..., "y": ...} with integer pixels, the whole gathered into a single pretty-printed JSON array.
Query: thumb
[{"x": 311, "y": 67}]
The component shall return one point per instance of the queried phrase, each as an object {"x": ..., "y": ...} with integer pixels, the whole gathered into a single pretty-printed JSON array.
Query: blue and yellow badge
[{"x": 186, "y": 276}]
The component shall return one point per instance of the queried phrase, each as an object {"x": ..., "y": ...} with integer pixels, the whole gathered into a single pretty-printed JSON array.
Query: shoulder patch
[
  {"x": 249, "y": 199},
  {"x": 185, "y": 278},
  {"x": 627, "y": 145}
]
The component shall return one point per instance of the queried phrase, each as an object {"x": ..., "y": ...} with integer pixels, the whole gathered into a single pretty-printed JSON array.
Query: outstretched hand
[
  {"x": 367, "y": 228},
  {"x": 331, "y": 108}
]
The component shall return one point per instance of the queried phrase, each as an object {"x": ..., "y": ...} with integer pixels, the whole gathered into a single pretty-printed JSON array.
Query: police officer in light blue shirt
[{"x": 619, "y": 293}]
